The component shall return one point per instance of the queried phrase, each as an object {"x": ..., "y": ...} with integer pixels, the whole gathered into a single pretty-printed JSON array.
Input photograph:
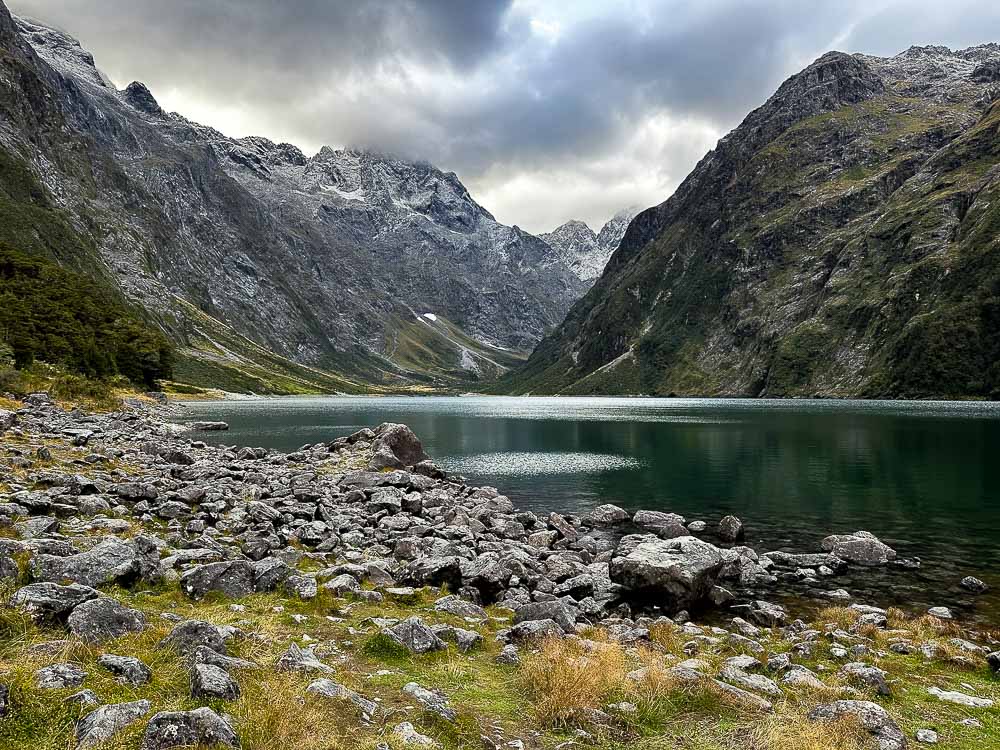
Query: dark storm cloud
[{"x": 621, "y": 97}]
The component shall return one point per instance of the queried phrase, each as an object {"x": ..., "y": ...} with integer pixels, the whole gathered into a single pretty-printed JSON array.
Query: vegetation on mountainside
[
  {"x": 58, "y": 316},
  {"x": 855, "y": 254},
  {"x": 49, "y": 309}
]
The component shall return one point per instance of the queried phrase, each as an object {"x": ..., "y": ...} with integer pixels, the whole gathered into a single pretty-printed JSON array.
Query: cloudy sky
[{"x": 547, "y": 109}]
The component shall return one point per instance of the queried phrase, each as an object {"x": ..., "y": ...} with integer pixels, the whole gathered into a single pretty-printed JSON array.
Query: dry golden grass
[
  {"x": 842, "y": 617},
  {"x": 796, "y": 732},
  {"x": 566, "y": 677},
  {"x": 669, "y": 637},
  {"x": 275, "y": 712}
]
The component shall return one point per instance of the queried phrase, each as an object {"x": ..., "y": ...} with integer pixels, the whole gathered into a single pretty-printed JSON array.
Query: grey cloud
[{"x": 467, "y": 85}]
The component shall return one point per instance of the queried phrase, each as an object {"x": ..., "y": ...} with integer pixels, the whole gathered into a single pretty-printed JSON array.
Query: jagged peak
[{"x": 139, "y": 96}]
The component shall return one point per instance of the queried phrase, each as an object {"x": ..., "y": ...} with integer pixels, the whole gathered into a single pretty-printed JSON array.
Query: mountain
[
  {"x": 273, "y": 270},
  {"x": 584, "y": 251},
  {"x": 843, "y": 240}
]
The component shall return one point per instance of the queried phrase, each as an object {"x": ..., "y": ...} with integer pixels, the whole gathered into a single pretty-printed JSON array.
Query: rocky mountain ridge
[
  {"x": 842, "y": 241},
  {"x": 587, "y": 252},
  {"x": 328, "y": 261}
]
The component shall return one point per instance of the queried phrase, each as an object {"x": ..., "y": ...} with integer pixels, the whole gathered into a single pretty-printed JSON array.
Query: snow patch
[{"x": 431, "y": 317}]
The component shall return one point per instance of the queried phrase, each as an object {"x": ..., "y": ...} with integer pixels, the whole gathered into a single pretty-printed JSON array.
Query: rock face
[
  {"x": 679, "y": 572},
  {"x": 585, "y": 252},
  {"x": 815, "y": 250},
  {"x": 332, "y": 260}
]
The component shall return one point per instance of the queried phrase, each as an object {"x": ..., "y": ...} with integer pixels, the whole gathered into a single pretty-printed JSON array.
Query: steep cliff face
[
  {"x": 243, "y": 245},
  {"x": 844, "y": 240},
  {"x": 584, "y": 251}
]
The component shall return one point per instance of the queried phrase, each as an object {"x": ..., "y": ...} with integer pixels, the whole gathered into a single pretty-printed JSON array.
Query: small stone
[
  {"x": 974, "y": 585},
  {"x": 731, "y": 529},
  {"x": 58, "y": 676},
  {"x": 953, "y": 696},
  {"x": 128, "y": 669},
  {"x": 942, "y": 613},
  {"x": 410, "y": 737},
  {"x": 927, "y": 736}
]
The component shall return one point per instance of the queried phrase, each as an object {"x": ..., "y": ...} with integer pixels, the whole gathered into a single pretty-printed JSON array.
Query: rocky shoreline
[{"x": 92, "y": 504}]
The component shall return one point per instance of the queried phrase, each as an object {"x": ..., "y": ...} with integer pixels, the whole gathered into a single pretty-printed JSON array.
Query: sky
[{"x": 548, "y": 110}]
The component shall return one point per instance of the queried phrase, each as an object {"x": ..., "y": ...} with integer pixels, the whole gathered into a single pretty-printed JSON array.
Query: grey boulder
[
  {"x": 104, "y": 722},
  {"x": 200, "y": 727},
  {"x": 861, "y": 547},
  {"x": 234, "y": 579},
  {"x": 50, "y": 601},
  {"x": 679, "y": 572},
  {"x": 102, "y": 619},
  {"x": 210, "y": 681}
]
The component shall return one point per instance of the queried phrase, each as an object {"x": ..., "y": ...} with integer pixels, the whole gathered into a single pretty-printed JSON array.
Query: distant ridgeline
[{"x": 51, "y": 313}]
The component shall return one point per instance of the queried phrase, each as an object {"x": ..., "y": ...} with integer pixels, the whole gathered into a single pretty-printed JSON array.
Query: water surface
[{"x": 920, "y": 475}]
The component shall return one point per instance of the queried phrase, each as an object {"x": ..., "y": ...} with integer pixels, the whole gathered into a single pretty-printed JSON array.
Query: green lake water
[{"x": 921, "y": 475}]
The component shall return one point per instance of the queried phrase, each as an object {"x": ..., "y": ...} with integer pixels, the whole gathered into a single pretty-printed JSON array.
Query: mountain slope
[
  {"x": 842, "y": 241},
  {"x": 584, "y": 251},
  {"x": 310, "y": 258}
]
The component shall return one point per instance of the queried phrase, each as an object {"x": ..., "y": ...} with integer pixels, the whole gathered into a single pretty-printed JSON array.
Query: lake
[{"x": 920, "y": 475}]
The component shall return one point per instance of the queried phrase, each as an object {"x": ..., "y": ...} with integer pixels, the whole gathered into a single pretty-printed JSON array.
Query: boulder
[
  {"x": 104, "y": 722},
  {"x": 50, "y": 601},
  {"x": 861, "y": 548},
  {"x": 731, "y": 529},
  {"x": 208, "y": 426},
  {"x": 111, "y": 561},
  {"x": 59, "y": 676},
  {"x": 235, "y": 579},
  {"x": 298, "y": 659},
  {"x": 201, "y": 727},
  {"x": 607, "y": 515},
  {"x": 679, "y": 573},
  {"x": 867, "y": 676},
  {"x": 974, "y": 585},
  {"x": 557, "y": 611},
  {"x": 413, "y": 635},
  {"x": 456, "y": 605},
  {"x": 872, "y": 717},
  {"x": 102, "y": 619},
  {"x": 330, "y": 689},
  {"x": 210, "y": 681},
  {"x": 395, "y": 447},
  {"x": 434, "y": 571},
  {"x": 189, "y": 636},
  {"x": 431, "y": 701},
  {"x": 666, "y": 525}
]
